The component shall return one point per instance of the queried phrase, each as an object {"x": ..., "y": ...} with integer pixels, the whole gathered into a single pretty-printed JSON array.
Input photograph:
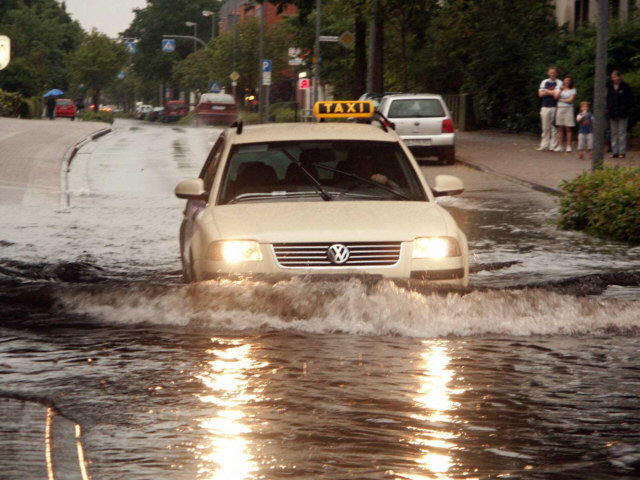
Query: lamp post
[
  {"x": 195, "y": 33},
  {"x": 209, "y": 13}
]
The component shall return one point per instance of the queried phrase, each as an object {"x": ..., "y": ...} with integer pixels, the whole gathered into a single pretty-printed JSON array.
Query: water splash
[{"x": 355, "y": 307}]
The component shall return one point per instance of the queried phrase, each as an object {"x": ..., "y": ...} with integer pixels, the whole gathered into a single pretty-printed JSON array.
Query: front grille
[{"x": 361, "y": 254}]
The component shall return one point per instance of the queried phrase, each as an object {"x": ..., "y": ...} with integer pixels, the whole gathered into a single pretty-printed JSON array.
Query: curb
[
  {"x": 71, "y": 153},
  {"x": 527, "y": 183}
]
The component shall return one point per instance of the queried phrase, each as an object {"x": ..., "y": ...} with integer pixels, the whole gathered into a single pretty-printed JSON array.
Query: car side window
[{"x": 211, "y": 165}]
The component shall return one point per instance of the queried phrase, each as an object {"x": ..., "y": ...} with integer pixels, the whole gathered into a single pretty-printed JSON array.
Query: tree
[
  {"x": 96, "y": 63},
  {"x": 42, "y": 37}
]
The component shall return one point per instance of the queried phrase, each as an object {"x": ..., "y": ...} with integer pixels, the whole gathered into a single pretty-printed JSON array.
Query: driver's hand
[{"x": 379, "y": 178}]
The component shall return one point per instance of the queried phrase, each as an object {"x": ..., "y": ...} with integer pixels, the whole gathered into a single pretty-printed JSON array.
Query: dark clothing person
[
  {"x": 619, "y": 101},
  {"x": 51, "y": 106}
]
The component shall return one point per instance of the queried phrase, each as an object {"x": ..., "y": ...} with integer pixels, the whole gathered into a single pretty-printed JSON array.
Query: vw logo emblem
[{"x": 338, "y": 253}]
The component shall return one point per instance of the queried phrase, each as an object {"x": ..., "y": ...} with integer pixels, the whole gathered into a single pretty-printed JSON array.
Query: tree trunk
[
  {"x": 360, "y": 61},
  {"x": 378, "y": 58},
  {"x": 95, "y": 99}
]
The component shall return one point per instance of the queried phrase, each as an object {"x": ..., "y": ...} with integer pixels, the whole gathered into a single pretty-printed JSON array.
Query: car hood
[{"x": 273, "y": 222}]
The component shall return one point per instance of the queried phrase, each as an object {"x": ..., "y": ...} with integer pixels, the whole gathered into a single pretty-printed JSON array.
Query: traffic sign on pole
[
  {"x": 130, "y": 46},
  {"x": 304, "y": 83},
  {"x": 266, "y": 72},
  {"x": 346, "y": 39},
  {"x": 234, "y": 76},
  {"x": 168, "y": 45}
]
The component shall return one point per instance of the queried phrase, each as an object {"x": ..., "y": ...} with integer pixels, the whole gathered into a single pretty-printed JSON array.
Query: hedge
[
  {"x": 10, "y": 104},
  {"x": 605, "y": 203}
]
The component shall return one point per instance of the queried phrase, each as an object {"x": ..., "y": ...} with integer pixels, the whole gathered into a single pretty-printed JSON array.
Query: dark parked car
[{"x": 216, "y": 109}]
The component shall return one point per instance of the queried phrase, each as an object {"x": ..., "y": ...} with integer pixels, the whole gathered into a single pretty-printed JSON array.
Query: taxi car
[{"x": 344, "y": 199}]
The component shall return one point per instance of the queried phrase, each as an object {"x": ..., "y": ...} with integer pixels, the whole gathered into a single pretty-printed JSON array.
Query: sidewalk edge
[
  {"x": 72, "y": 151},
  {"x": 527, "y": 183}
]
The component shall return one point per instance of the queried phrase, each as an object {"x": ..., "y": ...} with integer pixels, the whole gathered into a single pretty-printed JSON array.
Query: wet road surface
[{"x": 531, "y": 373}]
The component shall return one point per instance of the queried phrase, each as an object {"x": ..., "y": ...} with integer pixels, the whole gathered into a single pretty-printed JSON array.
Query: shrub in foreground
[{"x": 605, "y": 203}]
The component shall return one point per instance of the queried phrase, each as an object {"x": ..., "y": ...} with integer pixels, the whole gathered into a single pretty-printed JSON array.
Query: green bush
[
  {"x": 605, "y": 203},
  {"x": 10, "y": 104},
  {"x": 91, "y": 116},
  {"x": 250, "y": 118}
]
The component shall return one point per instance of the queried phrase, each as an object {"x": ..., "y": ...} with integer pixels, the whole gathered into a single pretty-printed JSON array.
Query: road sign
[
  {"x": 5, "y": 51},
  {"x": 328, "y": 38},
  {"x": 214, "y": 87},
  {"x": 304, "y": 83},
  {"x": 168, "y": 45},
  {"x": 121, "y": 76},
  {"x": 266, "y": 72},
  {"x": 266, "y": 66},
  {"x": 346, "y": 39},
  {"x": 234, "y": 76},
  {"x": 130, "y": 46}
]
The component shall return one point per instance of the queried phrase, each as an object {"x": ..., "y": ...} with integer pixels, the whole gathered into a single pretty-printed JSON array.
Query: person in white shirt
[
  {"x": 547, "y": 92},
  {"x": 565, "y": 117}
]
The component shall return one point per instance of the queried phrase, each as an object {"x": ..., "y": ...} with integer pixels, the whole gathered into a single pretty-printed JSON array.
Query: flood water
[{"x": 532, "y": 372}]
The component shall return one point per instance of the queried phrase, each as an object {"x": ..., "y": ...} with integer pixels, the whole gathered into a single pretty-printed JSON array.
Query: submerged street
[{"x": 530, "y": 372}]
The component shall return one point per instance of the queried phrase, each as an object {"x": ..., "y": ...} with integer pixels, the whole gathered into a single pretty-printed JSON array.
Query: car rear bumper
[{"x": 216, "y": 118}]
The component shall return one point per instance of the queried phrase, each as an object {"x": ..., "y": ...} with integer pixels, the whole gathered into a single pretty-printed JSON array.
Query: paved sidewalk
[
  {"x": 33, "y": 153},
  {"x": 515, "y": 156}
]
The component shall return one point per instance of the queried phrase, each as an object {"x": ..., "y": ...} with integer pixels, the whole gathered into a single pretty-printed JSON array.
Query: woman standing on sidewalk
[{"x": 565, "y": 118}]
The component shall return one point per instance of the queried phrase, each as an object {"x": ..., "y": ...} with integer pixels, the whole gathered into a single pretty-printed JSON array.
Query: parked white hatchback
[
  {"x": 342, "y": 199},
  {"x": 424, "y": 123}
]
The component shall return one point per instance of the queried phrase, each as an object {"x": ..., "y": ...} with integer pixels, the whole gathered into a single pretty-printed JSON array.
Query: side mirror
[
  {"x": 447, "y": 185},
  {"x": 192, "y": 189}
]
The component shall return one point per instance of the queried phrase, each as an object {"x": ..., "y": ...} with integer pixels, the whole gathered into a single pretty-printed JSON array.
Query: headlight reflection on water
[
  {"x": 226, "y": 454},
  {"x": 434, "y": 400}
]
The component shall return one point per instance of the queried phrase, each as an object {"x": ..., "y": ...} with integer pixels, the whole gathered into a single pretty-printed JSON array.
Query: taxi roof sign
[{"x": 344, "y": 109}]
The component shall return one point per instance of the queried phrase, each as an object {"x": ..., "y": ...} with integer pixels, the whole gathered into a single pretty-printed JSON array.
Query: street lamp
[
  {"x": 209, "y": 13},
  {"x": 195, "y": 33}
]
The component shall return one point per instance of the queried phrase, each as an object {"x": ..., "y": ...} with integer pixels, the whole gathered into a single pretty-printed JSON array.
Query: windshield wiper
[
  {"x": 325, "y": 196},
  {"x": 367, "y": 181}
]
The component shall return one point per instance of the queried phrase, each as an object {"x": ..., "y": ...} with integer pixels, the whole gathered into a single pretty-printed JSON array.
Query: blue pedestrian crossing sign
[
  {"x": 214, "y": 87},
  {"x": 130, "y": 46},
  {"x": 168, "y": 45}
]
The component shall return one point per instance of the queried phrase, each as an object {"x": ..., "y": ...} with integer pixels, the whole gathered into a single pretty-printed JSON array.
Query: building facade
[{"x": 575, "y": 13}]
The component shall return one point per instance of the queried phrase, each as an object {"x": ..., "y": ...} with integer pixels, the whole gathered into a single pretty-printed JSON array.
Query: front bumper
[{"x": 449, "y": 270}]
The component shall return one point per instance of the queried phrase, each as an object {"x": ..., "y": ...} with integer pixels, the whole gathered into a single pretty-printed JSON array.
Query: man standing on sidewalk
[
  {"x": 547, "y": 92},
  {"x": 619, "y": 100}
]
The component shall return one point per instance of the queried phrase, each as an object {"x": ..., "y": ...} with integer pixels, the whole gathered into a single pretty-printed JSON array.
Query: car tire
[{"x": 448, "y": 155}]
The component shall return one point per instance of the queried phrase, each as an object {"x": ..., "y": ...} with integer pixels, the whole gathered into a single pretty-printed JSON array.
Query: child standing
[{"x": 585, "y": 133}]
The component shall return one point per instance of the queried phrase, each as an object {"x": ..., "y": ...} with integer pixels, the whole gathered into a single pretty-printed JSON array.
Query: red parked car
[
  {"x": 175, "y": 110},
  {"x": 65, "y": 108},
  {"x": 216, "y": 109}
]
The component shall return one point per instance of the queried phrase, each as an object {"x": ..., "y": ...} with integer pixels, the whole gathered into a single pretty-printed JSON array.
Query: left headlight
[
  {"x": 435, "y": 247},
  {"x": 235, "y": 251}
]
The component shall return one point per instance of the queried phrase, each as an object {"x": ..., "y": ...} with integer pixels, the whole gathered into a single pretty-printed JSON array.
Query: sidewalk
[
  {"x": 514, "y": 155},
  {"x": 33, "y": 153}
]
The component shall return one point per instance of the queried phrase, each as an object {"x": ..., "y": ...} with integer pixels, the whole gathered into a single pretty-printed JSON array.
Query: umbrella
[{"x": 54, "y": 92}]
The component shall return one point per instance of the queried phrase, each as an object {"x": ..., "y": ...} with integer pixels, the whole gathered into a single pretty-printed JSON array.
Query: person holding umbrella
[{"x": 51, "y": 101}]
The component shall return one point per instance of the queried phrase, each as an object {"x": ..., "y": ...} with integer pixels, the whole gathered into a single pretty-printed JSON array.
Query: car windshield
[
  {"x": 416, "y": 107},
  {"x": 216, "y": 98},
  {"x": 317, "y": 171}
]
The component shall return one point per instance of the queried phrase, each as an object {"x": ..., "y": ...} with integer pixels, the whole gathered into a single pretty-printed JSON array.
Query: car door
[{"x": 194, "y": 208}]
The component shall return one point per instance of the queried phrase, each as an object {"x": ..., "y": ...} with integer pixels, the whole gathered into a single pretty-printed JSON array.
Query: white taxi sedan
[{"x": 340, "y": 199}]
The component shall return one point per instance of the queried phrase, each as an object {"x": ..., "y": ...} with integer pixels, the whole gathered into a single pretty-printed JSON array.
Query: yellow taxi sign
[{"x": 344, "y": 109}]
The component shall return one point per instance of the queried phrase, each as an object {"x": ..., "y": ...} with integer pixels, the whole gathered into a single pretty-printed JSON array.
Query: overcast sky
[{"x": 108, "y": 16}]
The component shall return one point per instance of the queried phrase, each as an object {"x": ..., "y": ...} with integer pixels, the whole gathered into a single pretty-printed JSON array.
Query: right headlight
[
  {"x": 435, "y": 247},
  {"x": 235, "y": 251}
]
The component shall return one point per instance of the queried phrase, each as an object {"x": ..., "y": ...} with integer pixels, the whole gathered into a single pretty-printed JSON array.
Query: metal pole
[
  {"x": 316, "y": 52},
  {"x": 600, "y": 89},
  {"x": 260, "y": 96},
  {"x": 195, "y": 44}
]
